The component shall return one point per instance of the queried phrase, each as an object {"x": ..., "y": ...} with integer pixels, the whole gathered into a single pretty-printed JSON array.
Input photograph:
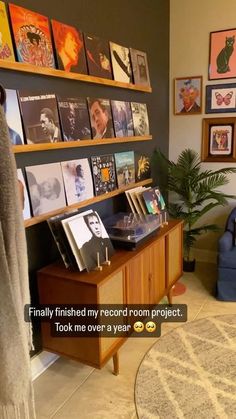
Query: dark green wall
[{"x": 139, "y": 24}]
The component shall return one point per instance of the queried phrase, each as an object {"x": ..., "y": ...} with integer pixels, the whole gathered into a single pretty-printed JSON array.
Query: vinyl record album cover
[
  {"x": 74, "y": 116},
  {"x": 6, "y": 47},
  {"x": 140, "y": 118},
  {"x": 122, "y": 118},
  {"x": 32, "y": 37},
  {"x": 101, "y": 118},
  {"x": 98, "y": 56},
  {"x": 77, "y": 180},
  {"x": 46, "y": 187},
  {"x": 13, "y": 117},
  {"x": 40, "y": 117},
  {"x": 142, "y": 167},
  {"x": 125, "y": 170},
  {"x": 154, "y": 200},
  {"x": 69, "y": 48},
  {"x": 121, "y": 63},
  {"x": 23, "y": 195},
  {"x": 104, "y": 173},
  {"x": 140, "y": 67}
]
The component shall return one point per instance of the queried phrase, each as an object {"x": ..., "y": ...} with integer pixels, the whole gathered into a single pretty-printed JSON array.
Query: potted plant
[{"x": 194, "y": 194}]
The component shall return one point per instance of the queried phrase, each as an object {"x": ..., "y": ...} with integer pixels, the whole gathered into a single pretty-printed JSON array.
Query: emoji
[
  {"x": 150, "y": 327},
  {"x": 138, "y": 327}
]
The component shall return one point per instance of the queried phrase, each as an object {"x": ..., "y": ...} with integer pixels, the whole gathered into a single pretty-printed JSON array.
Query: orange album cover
[
  {"x": 6, "y": 48},
  {"x": 32, "y": 37}
]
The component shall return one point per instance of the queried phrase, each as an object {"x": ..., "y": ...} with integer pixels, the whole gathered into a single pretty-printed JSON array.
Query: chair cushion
[
  {"x": 225, "y": 242},
  {"x": 227, "y": 259}
]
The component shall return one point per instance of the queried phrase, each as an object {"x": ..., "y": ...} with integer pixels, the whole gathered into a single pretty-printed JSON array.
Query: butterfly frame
[
  {"x": 219, "y": 139},
  {"x": 221, "y": 98}
]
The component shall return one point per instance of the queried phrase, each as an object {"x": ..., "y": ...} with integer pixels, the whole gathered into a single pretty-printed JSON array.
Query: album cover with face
[
  {"x": 121, "y": 63},
  {"x": 125, "y": 169},
  {"x": 104, "y": 173},
  {"x": 69, "y": 47},
  {"x": 32, "y": 37},
  {"x": 98, "y": 56},
  {"x": 46, "y": 188},
  {"x": 13, "y": 117},
  {"x": 74, "y": 116},
  {"x": 6, "y": 47},
  {"x": 100, "y": 118},
  {"x": 154, "y": 200},
  {"x": 140, "y": 118},
  {"x": 122, "y": 118},
  {"x": 23, "y": 195},
  {"x": 40, "y": 117},
  {"x": 140, "y": 67},
  {"x": 77, "y": 180}
]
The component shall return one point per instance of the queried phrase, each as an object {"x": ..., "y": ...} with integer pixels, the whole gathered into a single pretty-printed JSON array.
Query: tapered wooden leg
[
  {"x": 170, "y": 295},
  {"x": 116, "y": 364}
]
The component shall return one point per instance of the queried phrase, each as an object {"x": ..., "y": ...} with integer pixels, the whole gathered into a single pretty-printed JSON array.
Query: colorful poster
[
  {"x": 32, "y": 37},
  {"x": 6, "y": 47}
]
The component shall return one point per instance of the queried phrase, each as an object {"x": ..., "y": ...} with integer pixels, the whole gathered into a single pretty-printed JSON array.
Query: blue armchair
[{"x": 226, "y": 283}]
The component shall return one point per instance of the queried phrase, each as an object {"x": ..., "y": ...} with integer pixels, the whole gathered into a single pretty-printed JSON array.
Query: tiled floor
[{"x": 70, "y": 390}]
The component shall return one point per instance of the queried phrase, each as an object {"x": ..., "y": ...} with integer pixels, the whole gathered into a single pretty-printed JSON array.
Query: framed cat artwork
[
  {"x": 222, "y": 57},
  {"x": 221, "y": 98},
  {"x": 188, "y": 95},
  {"x": 219, "y": 139}
]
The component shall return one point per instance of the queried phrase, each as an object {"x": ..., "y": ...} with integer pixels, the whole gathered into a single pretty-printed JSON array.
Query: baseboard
[
  {"x": 40, "y": 362},
  {"x": 204, "y": 255}
]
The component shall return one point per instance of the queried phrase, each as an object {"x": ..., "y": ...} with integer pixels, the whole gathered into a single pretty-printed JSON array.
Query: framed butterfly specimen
[
  {"x": 219, "y": 139},
  {"x": 221, "y": 98}
]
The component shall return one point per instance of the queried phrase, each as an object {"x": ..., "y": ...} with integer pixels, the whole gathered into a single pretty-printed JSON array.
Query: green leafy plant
[{"x": 195, "y": 192}]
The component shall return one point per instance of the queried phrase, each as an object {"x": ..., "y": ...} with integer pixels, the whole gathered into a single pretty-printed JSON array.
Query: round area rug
[{"x": 190, "y": 372}]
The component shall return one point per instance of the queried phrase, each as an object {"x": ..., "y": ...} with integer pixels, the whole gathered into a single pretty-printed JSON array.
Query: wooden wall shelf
[
  {"x": 95, "y": 199},
  {"x": 25, "y": 148},
  {"x": 52, "y": 72}
]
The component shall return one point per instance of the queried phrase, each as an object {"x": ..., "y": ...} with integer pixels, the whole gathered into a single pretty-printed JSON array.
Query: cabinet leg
[
  {"x": 170, "y": 295},
  {"x": 116, "y": 364}
]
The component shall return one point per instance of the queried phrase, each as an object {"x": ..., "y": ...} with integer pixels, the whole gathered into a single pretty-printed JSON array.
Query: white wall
[{"x": 190, "y": 25}]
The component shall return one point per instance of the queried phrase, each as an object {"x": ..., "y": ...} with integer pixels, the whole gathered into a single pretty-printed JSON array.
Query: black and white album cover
[
  {"x": 121, "y": 63},
  {"x": 101, "y": 118},
  {"x": 77, "y": 180},
  {"x": 74, "y": 117},
  {"x": 98, "y": 56},
  {"x": 140, "y": 67},
  {"x": 104, "y": 173},
  {"x": 40, "y": 117},
  {"x": 23, "y": 195},
  {"x": 122, "y": 118},
  {"x": 46, "y": 187},
  {"x": 13, "y": 117},
  {"x": 140, "y": 118}
]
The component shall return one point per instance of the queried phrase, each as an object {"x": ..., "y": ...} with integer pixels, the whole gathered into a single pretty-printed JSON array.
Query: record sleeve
[
  {"x": 13, "y": 117},
  {"x": 69, "y": 46},
  {"x": 23, "y": 195},
  {"x": 121, "y": 63},
  {"x": 154, "y": 200},
  {"x": 125, "y": 170},
  {"x": 142, "y": 167},
  {"x": 98, "y": 56},
  {"x": 122, "y": 118},
  {"x": 40, "y": 117},
  {"x": 140, "y": 67},
  {"x": 101, "y": 118},
  {"x": 6, "y": 47},
  {"x": 32, "y": 37},
  {"x": 74, "y": 118},
  {"x": 140, "y": 118},
  {"x": 104, "y": 173},
  {"x": 77, "y": 180}
]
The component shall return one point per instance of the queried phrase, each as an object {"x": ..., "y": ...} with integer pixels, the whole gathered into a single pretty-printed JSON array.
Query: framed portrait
[
  {"x": 221, "y": 98},
  {"x": 188, "y": 95},
  {"x": 219, "y": 139},
  {"x": 222, "y": 62}
]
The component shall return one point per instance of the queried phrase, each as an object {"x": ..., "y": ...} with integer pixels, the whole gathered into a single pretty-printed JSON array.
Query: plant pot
[{"x": 189, "y": 265}]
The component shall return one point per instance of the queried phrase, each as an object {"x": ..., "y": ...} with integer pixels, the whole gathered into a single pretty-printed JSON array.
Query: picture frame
[
  {"x": 221, "y": 98},
  {"x": 222, "y": 55},
  {"x": 219, "y": 140},
  {"x": 188, "y": 95}
]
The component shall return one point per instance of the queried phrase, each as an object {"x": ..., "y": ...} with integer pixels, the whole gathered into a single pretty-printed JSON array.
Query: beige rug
[{"x": 190, "y": 372}]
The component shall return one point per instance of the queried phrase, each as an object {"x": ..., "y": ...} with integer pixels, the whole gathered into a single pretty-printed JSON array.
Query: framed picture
[
  {"x": 222, "y": 62},
  {"x": 221, "y": 98},
  {"x": 188, "y": 95},
  {"x": 219, "y": 139}
]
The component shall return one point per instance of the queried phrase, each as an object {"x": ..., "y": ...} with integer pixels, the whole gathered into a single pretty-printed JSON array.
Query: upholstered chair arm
[{"x": 225, "y": 242}]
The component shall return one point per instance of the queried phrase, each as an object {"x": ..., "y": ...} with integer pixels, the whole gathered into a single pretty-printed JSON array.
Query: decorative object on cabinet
[
  {"x": 221, "y": 98},
  {"x": 104, "y": 173},
  {"x": 125, "y": 169},
  {"x": 219, "y": 139},
  {"x": 74, "y": 118},
  {"x": 140, "y": 67},
  {"x": 98, "y": 56},
  {"x": 188, "y": 95},
  {"x": 13, "y": 117},
  {"x": 140, "y": 118},
  {"x": 77, "y": 180},
  {"x": 32, "y": 37},
  {"x": 196, "y": 190},
  {"x": 122, "y": 118},
  {"x": 101, "y": 118},
  {"x": 6, "y": 47},
  {"x": 222, "y": 63},
  {"x": 40, "y": 117},
  {"x": 69, "y": 47},
  {"x": 121, "y": 63},
  {"x": 23, "y": 195}
]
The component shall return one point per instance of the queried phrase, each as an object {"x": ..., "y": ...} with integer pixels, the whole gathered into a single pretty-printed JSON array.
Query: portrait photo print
[{"x": 188, "y": 95}]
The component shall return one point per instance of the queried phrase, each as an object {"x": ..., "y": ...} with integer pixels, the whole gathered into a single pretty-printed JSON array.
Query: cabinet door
[
  {"x": 174, "y": 246},
  {"x": 157, "y": 271},
  {"x": 137, "y": 272}
]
